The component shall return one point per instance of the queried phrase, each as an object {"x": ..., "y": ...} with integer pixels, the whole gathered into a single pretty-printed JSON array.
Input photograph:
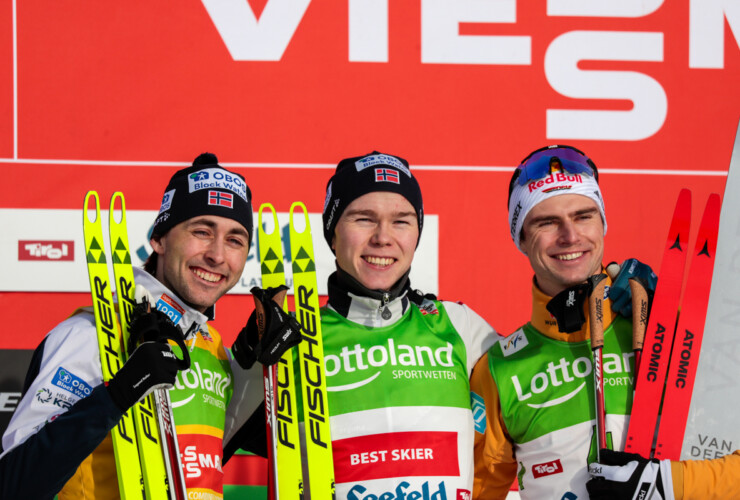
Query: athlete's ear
[{"x": 157, "y": 244}]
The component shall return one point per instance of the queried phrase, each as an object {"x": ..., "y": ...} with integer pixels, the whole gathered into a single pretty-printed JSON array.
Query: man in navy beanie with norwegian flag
[{"x": 58, "y": 440}]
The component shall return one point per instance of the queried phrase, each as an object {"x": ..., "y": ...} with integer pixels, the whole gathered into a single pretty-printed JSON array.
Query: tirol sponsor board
[
  {"x": 51, "y": 264},
  {"x": 45, "y": 250}
]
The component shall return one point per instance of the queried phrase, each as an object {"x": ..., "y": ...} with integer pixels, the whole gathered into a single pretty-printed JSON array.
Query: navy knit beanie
[
  {"x": 360, "y": 175},
  {"x": 205, "y": 188}
]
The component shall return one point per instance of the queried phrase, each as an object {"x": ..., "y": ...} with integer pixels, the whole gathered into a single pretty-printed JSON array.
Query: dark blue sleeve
[{"x": 40, "y": 466}]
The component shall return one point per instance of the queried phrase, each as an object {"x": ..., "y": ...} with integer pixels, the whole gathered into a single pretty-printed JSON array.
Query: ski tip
[
  {"x": 88, "y": 210},
  {"x": 301, "y": 207},
  {"x": 260, "y": 226}
]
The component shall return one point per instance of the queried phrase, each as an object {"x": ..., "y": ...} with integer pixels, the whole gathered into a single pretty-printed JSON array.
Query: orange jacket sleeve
[
  {"x": 495, "y": 464},
  {"x": 707, "y": 479}
]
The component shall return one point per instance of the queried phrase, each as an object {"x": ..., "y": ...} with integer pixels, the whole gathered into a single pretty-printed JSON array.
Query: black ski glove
[
  {"x": 151, "y": 325},
  {"x": 627, "y": 476},
  {"x": 269, "y": 332},
  {"x": 152, "y": 366},
  {"x": 619, "y": 292}
]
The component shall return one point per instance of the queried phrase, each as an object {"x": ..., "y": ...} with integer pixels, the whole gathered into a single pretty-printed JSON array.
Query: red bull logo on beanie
[
  {"x": 217, "y": 178},
  {"x": 554, "y": 178}
]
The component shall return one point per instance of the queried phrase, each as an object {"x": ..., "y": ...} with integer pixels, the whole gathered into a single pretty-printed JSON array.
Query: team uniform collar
[
  {"x": 190, "y": 320},
  {"x": 544, "y": 322},
  {"x": 373, "y": 308}
]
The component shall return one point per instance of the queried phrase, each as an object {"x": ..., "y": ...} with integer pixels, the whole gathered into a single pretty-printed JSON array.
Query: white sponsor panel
[{"x": 71, "y": 276}]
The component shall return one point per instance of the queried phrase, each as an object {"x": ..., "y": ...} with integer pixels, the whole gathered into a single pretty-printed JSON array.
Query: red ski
[
  {"x": 661, "y": 327},
  {"x": 689, "y": 333}
]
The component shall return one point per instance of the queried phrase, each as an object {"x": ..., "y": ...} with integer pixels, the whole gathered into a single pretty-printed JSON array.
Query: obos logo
[
  {"x": 217, "y": 178},
  {"x": 71, "y": 383},
  {"x": 167, "y": 200}
]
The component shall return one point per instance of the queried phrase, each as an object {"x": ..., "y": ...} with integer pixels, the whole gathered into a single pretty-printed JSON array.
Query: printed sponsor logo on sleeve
[
  {"x": 513, "y": 343},
  {"x": 398, "y": 454},
  {"x": 47, "y": 250},
  {"x": 170, "y": 308},
  {"x": 547, "y": 469},
  {"x": 43, "y": 395},
  {"x": 71, "y": 383},
  {"x": 478, "y": 405}
]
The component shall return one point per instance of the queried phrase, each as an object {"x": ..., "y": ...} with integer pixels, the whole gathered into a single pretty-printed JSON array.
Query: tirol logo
[
  {"x": 361, "y": 359},
  {"x": 547, "y": 469},
  {"x": 513, "y": 343},
  {"x": 401, "y": 492},
  {"x": 198, "y": 377},
  {"x": 217, "y": 178},
  {"x": 463, "y": 495},
  {"x": 552, "y": 179},
  {"x": 46, "y": 250},
  {"x": 170, "y": 308},
  {"x": 71, "y": 383},
  {"x": 566, "y": 375}
]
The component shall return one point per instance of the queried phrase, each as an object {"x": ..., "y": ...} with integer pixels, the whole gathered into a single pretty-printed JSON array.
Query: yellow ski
[
  {"x": 311, "y": 359},
  {"x": 284, "y": 430},
  {"x": 125, "y": 445},
  {"x": 144, "y": 413}
]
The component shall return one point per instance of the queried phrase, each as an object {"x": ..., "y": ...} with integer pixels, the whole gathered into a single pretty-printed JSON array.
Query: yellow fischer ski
[
  {"x": 311, "y": 360},
  {"x": 144, "y": 413},
  {"x": 283, "y": 422},
  {"x": 125, "y": 445}
]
